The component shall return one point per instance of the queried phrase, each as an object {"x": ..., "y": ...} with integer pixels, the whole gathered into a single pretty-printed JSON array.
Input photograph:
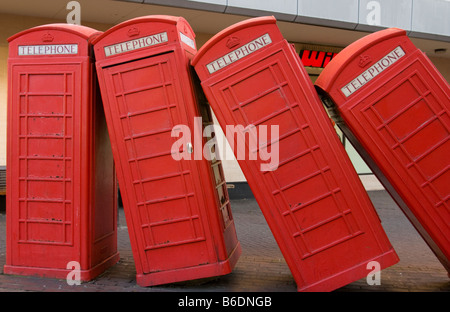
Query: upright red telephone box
[
  {"x": 177, "y": 208},
  {"x": 393, "y": 105},
  {"x": 312, "y": 198},
  {"x": 61, "y": 186}
]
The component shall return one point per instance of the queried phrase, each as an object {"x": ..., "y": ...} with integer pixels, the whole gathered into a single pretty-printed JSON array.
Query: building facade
[{"x": 319, "y": 29}]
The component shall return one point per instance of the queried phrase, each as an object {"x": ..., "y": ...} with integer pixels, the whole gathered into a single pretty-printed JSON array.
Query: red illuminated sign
[{"x": 312, "y": 58}]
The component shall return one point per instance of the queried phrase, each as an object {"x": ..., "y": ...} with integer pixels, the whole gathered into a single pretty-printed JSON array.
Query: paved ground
[{"x": 261, "y": 267}]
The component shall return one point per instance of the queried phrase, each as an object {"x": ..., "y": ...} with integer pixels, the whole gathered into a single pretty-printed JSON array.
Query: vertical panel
[
  {"x": 167, "y": 212},
  {"x": 45, "y": 157}
]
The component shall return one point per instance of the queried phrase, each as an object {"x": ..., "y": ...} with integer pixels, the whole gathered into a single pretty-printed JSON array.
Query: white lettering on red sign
[
  {"x": 239, "y": 53},
  {"x": 373, "y": 71},
  {"x": 136, "y": 44},
  {"x": 48, "y": 49}
]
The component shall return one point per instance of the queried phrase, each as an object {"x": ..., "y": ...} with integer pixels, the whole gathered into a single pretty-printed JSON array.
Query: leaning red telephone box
[
  {"x": 393, "y": 105},
  {"x": 176, "y": 204},
  {"x": 61, "y": 185},
  {"x": 312, "y": 198}
]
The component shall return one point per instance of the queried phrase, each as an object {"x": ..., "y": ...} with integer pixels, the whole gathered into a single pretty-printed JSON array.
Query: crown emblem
[
  {"x": 232, "y": 42},
  {"x": 47, "y": 37},
  {"x": 133, "y": 31},
  {"x": 364, "y": 60}
]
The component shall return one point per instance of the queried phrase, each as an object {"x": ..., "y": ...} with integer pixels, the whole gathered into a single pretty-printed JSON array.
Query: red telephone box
[
  {"x": 313, "y": 200},
  {"x": 393, "y": 105},
  {"x": 61, "y": 187},
  {"x": 177, "y": 210}
]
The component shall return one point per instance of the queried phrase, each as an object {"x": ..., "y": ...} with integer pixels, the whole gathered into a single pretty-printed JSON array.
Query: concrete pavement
[{"x": 261, "y": 267}]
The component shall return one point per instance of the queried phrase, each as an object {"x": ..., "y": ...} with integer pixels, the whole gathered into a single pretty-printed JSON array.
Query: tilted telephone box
[
  {"x": 177, "y": 208},
  {"x": 393, "y": 105},
  {"x": 312, "y": 198}
]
